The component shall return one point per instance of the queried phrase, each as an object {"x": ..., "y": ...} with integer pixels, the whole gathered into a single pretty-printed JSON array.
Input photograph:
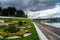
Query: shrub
[
  {"x": 20, "y": 23},
  {"x": 9, "y": 19},
  {"x": 11, "y": 28},
  {"x": 9, "y": 34},
  {"x": 25, "y": 22},
  {"x": 5, "y": 34},
  {"x": 16, "y": 33}
]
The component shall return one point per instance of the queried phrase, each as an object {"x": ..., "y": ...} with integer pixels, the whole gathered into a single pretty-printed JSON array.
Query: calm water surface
[{"x": 54, "y": 24}]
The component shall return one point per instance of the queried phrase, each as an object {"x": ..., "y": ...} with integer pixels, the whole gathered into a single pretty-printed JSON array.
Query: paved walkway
[
  {"x": 40, "y": 34},
  {"x": 48, "y": 31}
]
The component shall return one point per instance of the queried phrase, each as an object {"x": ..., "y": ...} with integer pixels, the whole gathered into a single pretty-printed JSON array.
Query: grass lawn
[
  {"x": 15, "y": 19},
  {"x": 33, "y": 36}
]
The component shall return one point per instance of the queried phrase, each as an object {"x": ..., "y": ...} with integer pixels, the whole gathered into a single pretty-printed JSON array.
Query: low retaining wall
[{"x": 40, "y": 34}]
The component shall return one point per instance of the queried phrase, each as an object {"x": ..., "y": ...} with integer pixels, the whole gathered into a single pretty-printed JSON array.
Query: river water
[{"x": 57, "y": 25}]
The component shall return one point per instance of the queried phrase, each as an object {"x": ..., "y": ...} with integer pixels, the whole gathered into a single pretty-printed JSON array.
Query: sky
[
  {"x": 48, "y": 13},
  {"x": 36, "y": 8},
  {"x": 33, "y": 5}
]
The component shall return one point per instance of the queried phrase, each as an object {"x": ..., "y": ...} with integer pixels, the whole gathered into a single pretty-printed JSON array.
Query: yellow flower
[
  {"x": 16, "y": 33},
  {"x": 13, "y": 34},
  {"x": 9, "y": 34}
]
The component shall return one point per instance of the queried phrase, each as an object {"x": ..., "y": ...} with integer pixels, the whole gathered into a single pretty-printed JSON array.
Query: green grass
[
  {"x": 33, "y": 36},
  {"x": 15, "y": 19}
]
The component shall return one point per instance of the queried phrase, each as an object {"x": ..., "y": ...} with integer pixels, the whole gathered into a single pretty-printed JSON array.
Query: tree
[
  {"x": 25, "y": 16},
  {"x": 20, "y": 13},
  {"x": 0, "y": 10},
  {"x": 11, "y": 11},
  {"x": 4, "y": 12}
]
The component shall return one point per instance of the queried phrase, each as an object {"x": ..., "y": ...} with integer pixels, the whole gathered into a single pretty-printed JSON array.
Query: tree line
[{"x": 12, "y": 11}]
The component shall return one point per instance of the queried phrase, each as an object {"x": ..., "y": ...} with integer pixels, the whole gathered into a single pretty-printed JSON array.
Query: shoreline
[
  {"x": 52, "y": 33},
  {"x": 40, "y": 34},
  {"x": 52, "y": 28}
]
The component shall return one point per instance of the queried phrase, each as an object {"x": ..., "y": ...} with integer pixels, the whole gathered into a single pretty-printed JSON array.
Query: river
[{"x": 57, "y": 25}]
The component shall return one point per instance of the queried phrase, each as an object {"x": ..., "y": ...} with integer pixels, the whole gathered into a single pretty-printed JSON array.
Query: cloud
[
  {"x": 33, "y": 5},
  {"x": 45, "y": 13}
]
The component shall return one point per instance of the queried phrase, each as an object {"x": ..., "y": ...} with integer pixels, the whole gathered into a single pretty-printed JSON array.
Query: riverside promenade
[
  {"x": 39, "y": 32},
  {"x": 52, "y": 33}
]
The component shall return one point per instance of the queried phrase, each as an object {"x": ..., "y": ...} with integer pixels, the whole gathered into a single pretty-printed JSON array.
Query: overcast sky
[
  {"x": 53, "y": 12},
  {"x": 33, "y": 5}
]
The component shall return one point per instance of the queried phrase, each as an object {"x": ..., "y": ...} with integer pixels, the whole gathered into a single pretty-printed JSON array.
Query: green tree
[
  {"x": 25, "y": 15},
  {"x": 20, "y": 13},
  {"x": 11, "y": 11},
  {"x": 0, "y": 10},
  {"x": 4, "y": 12}
]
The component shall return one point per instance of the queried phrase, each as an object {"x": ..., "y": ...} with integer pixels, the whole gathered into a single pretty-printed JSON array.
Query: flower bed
[
  {"x": 11, "y": 30},
  {"x": 4, "y": 34},
  {"x": 31, "y": 34}
]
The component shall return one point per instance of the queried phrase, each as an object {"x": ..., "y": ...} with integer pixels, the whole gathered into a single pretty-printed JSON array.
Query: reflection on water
[{"x": 54, "y": 24}]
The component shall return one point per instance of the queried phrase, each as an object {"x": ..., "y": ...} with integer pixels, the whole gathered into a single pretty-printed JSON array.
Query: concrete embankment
[
  {"x": 40, "y": 34},
  {"x": 52, "y": 33}
]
